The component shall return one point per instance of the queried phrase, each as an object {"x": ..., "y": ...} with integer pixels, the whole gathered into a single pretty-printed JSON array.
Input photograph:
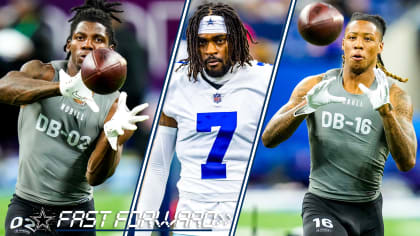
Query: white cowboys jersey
[{"x": 216, "y": 128}]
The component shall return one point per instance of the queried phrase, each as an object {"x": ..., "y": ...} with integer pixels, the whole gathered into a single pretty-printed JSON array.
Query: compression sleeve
[{"x": 157, "y": 172}]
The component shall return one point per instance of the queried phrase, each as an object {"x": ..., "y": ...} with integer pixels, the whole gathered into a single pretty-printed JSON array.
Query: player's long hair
[
  {"x": 380, "y": 24},
  {"x": 238, "y": 48},
  {"x": 99, "y": 11}
]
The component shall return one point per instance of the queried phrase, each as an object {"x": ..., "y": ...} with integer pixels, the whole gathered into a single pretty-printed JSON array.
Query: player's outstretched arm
[
  {"x": 399, "y": 129},
  {"x": 104, "y": 160},
  {"x": 158, "y": 167},
  {"x": 119, "y": 127},
  {"x": 30, "y": 84},
  {"x": 284, "y": 123}
]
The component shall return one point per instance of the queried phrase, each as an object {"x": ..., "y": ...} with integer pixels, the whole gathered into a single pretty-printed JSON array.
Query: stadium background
[{"x": 279, "y": 176}]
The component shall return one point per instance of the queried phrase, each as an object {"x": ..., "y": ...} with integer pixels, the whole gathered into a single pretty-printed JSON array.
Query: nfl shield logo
[{"x": 217, "y": 97}]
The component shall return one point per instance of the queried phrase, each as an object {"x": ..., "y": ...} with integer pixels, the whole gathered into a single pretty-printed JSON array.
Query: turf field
[{"x": 279, "y": 224}]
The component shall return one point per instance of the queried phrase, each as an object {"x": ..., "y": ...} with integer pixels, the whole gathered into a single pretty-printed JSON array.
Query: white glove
[
  {"x": 74, "y": 87},
  {"x": 123, "y": 119},
  {"x": 318, "y": 96},
  {"x": 379, "y": 96}
]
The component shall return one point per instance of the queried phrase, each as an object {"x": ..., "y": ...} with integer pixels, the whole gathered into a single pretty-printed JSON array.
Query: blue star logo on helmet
[{"x": 210, "y": 22}]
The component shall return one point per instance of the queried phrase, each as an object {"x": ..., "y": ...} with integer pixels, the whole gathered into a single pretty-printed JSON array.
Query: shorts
[
  {"x": 29, "y": 218},
  {"x": 325, "y": 217},
  {"x": 191, "y": 214}
]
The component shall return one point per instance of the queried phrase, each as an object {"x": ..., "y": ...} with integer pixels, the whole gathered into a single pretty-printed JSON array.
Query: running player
[
  {"x": 356, "y": 115},
  {"x": 218, "y": 85},
  {"x": 63, "y": 148}
]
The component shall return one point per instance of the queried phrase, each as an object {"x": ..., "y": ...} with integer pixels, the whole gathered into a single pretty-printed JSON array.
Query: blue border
[
  {"x": 157, "y": 113},
  {"x": 262, "y": 116}
]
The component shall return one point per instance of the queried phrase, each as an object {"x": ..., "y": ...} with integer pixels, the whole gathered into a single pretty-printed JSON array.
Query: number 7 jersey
[{"x": 216, "y": 129}]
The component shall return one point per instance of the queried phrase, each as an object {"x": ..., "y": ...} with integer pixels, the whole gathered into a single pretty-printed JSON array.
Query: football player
[
  {"x": 209, "y": 119},
  {"x": 356, "y": 115},
  {"x": 69, "y": 138}
]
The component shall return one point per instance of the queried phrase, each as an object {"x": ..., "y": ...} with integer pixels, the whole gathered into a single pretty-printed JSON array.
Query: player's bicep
[
  {"x": 300, "y": 91},
  {"x": 35, "y": 69},
  {"x": 167, "y": 121},
  {"x": 401, "y": 102},
  {"x": 403, "y": 106}
]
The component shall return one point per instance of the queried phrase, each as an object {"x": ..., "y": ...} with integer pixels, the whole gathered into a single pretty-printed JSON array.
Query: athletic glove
[
  {"x": 318, "y": 96},
  {"x": 379, "y": 96},
  {"x": 73, "y": 87},
  {"x": 123, "y": 119}
]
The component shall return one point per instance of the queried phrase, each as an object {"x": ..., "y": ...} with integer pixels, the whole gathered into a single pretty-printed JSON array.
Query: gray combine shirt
[
  {"x": 348, "y": 146},
  {"x": 56, "y": 138}
]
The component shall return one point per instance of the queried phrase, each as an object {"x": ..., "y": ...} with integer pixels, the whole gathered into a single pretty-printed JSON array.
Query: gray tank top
[
  {"x": 56, "y": 137},
  {"x": 348, "y": 146}
]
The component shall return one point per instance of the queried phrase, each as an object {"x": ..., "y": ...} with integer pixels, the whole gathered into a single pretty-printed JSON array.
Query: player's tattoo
[
  {"x": 403, "y": 105},
  {"x": 399, "y": 130},
  {"x": 404, "y": 109}
]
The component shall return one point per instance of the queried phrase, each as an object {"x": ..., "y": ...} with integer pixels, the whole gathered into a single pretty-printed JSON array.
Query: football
[
  {"x": 104, "y": 71},
  {"x": 320, "y": 23}
]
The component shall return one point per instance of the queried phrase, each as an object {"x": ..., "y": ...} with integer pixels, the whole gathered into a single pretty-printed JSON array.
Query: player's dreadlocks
[
  {"x": 380, "y": 24},
  {"x": 99, "y": 11},
  {"x": 236, "y": 37}
]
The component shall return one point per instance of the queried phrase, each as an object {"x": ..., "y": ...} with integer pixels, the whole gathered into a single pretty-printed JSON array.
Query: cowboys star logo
[
  {"x": 210, "y": 22},
  {"x": 42, "y": 220}
]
